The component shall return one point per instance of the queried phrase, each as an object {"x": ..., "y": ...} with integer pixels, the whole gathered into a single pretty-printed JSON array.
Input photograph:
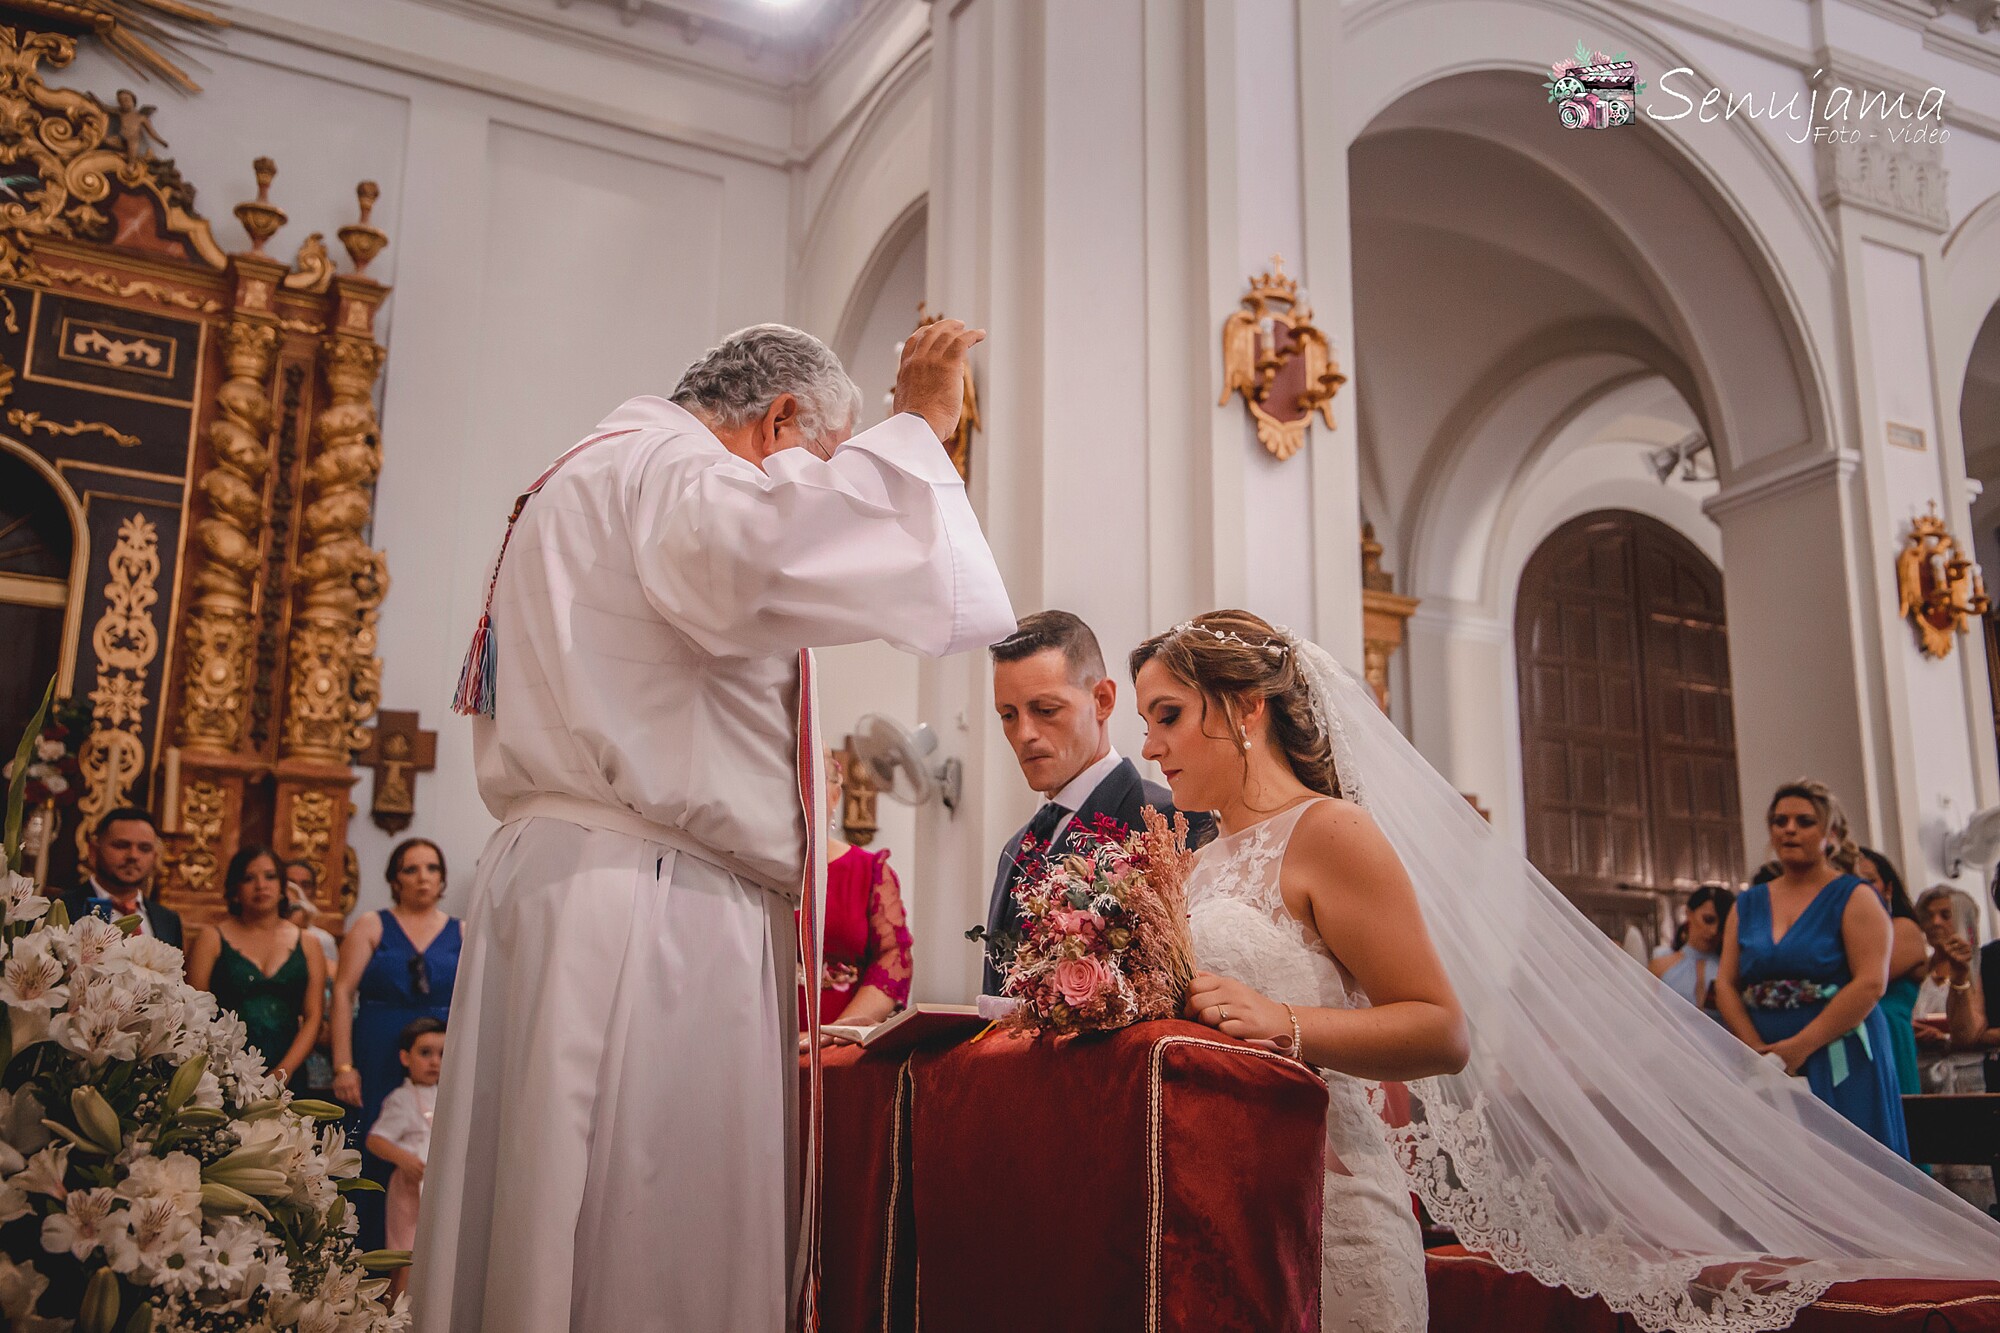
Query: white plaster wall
[
  {"x": 546, "y": 267},
  {"x": 1120, "y": 161},
  {"x": 873, "y": 677},
  {"x": 1897, "y": 353},
  {"x": 1270, "y": 221}
]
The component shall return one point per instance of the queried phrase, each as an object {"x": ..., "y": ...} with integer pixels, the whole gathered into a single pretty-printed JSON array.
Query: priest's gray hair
[{"x": 736, "y": 381}]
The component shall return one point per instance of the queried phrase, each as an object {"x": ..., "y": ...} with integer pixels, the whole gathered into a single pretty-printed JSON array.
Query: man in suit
[
  {"x": 1055, "y": 702},
  {"x": 123, "y": 855}
]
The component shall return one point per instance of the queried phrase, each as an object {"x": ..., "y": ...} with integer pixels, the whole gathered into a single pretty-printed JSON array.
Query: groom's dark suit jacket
[{"x": 1122, "y": 795}]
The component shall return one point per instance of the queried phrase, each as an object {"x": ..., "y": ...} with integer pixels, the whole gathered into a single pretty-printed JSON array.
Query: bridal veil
[{"x": 1605, "y": 1135}]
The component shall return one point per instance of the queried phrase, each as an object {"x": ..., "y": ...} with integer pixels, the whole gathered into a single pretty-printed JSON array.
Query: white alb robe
[{"x": 611, "y": 1142}]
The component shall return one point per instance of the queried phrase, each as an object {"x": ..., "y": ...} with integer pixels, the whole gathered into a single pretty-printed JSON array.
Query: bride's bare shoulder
[{"x": 1338, "y": 832}]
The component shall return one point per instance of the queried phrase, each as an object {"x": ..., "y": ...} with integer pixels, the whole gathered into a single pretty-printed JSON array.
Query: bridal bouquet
[
  {"x": 152, "y": 1176},
  {"x": 1104, "y": 937}
]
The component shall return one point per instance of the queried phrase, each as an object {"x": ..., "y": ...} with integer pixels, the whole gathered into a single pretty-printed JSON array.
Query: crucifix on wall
[{"x": 397, "y": 750}]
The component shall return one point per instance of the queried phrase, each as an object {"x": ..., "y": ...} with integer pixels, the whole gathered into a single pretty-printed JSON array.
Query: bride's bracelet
[{"x": 1298, "y": 1051}]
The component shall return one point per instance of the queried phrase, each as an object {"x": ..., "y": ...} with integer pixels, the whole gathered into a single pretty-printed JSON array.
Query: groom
[{"x": 1055, "y": 702}]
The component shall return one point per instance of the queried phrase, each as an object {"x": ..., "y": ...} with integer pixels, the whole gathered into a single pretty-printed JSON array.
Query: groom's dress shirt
[{"x": 1079, "y": 788}]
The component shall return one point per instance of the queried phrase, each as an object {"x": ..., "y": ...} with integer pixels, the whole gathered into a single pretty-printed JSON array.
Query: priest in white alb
[{"x": 614, "y": 1149}]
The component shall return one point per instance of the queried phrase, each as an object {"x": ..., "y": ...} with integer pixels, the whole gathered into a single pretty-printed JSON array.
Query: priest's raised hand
[{"x": 931, "y": 379}]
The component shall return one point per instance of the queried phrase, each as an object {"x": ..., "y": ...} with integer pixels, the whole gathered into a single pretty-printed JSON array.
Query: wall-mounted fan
[{"x": 905, "y": 762}]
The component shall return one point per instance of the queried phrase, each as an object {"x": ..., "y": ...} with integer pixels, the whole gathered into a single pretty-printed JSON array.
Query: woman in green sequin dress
[{"x": 259, "y": 965}]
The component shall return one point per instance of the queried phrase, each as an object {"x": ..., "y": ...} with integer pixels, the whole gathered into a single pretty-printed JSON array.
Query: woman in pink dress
[{"x": 865, "y": 975}]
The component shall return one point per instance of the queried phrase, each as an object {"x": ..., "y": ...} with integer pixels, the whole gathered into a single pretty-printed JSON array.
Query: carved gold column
[
  {"x": 217, "y": 760},
  {"x": 1384, "y": 612},
  {"x": 230, "y": 534},
  {"x": 335, "y": 677}
]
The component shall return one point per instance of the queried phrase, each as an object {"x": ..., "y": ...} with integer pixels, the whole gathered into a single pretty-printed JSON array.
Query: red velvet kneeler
[
  {"x": 1157, "y": 1180},
  {"x": 866, "y": 1193},
  {"x": 1470, "y": 1294}
]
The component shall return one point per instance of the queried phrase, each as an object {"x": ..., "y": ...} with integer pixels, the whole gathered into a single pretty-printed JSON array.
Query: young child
[{"x": 401, "y": 1134}]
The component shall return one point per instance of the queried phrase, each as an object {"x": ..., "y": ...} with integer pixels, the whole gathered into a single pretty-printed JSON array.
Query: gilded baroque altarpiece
[{"x": 207, "y": 421}]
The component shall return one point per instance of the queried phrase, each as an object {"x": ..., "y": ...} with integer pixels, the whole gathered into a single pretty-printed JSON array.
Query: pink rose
[
  {"x": 1085, "y": 925},
  {"x": 1079, "y": 979}
]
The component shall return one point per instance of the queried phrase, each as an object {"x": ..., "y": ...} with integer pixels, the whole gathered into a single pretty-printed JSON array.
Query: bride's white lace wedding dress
[{"x": 1371, "y": 1252}]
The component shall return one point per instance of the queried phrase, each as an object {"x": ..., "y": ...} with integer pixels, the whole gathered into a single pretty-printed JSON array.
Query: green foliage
[{"x": 17, "y": 785}]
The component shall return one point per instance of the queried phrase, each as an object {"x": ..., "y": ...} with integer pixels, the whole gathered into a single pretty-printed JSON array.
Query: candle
[{"x": 170, "y": 791}]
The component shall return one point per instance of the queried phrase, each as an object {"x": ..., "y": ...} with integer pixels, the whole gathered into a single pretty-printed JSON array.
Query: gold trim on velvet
[
  {"x": 1153, "y": 1160},
  {"x": 905, "y": 1083},
  {"x": 1856, "y": 1307}
]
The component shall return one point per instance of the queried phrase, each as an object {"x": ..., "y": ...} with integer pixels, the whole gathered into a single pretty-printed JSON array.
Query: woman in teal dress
[
  {"x": 1805, "y": 959},
  {"x": 1909, "y": 963},
  {"x": 259, "y": 966}
]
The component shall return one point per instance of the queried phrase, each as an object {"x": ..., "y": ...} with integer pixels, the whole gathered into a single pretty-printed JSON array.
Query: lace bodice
[
  {"x": 1243, "y": 929},
  {"x": 1372, "y": 1274}
]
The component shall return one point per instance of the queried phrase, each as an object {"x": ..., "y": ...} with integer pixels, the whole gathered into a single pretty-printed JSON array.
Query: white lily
[{"x": 79, "y": 1228}]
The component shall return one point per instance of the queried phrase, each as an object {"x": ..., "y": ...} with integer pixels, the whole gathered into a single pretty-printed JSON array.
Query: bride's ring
[{"x": 1222, "y": 1013}]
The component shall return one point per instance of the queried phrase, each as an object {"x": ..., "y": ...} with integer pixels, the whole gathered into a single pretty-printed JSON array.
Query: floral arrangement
[
  {"x": 1104, "y": 939},
  {"x": 152, "y": 1176},
  {"x": 51, "y": 764}
]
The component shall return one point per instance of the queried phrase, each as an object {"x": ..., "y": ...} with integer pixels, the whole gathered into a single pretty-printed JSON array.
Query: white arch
[
  {"x": 1968, "y": 290},
  {"x": 881, "y": 178},
  {"x": 1396, "y": 48}
]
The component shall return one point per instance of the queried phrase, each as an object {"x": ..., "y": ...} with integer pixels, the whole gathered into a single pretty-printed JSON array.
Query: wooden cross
[{"x": 397, "y": 750}]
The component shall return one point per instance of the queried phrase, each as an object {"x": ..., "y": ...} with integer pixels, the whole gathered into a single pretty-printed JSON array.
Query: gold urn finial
[
  {"x": 363, "y": 241},
  {"x": 260, "y": 217}
]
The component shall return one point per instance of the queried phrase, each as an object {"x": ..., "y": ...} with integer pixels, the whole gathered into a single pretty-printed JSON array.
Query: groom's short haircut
[
  {"x": 1062, "y": 631},
  {"x": 737, "y": 380}
]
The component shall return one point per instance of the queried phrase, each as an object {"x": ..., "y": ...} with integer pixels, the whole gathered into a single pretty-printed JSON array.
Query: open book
[{"x": 918, "y": 1025}]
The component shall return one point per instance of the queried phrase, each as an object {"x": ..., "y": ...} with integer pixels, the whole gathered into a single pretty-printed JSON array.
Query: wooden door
[{"x": 1627, "y": 738}]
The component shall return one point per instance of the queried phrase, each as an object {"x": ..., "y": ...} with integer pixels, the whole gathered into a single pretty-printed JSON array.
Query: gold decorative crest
[
  {"x": 30, "y": 422},
  {"x": 74, "y": 152},
  {"x": 204, "y": 808},
  {"x": 1281, "y": 364},
  {"x": 312, "y": 824},
  {"x": 126, "y": 641},
  {"x": 1939, "y": 589}
]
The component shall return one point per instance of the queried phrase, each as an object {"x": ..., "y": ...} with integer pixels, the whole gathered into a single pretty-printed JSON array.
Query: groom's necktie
[{"x": 1042, "y": 828}]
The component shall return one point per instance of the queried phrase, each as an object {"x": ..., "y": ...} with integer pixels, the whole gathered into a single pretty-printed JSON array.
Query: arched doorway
[
  {"x": 1628, "y": 738},
  {"x": 37, "y": 567}
]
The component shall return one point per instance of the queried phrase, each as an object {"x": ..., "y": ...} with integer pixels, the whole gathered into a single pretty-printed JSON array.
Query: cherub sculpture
[{"x": 131, "y": 126}]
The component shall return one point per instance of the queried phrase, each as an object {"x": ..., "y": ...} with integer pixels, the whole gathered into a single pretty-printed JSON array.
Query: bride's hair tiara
[{"x": 1275, "y": 647}]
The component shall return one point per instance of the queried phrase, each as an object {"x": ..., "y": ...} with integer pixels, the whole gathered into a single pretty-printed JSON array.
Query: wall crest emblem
[
  {"x": 1282, "y": 365},
  {"x": 1939, "y": 589}
]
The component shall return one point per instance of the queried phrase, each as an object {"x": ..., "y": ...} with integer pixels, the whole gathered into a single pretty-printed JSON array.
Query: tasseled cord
[
  {"x": 475, "y": 678},
  {"x": 477, "y": 694}
]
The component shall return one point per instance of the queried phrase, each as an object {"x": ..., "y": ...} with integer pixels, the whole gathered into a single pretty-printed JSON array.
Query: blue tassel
[{"x": 475, "y": 697}]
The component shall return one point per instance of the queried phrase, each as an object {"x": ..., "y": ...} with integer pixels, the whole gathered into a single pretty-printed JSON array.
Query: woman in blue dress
[
  {"x": 1805, "y": 959},
  {"x": 396, "y": 966},
  {"x": 1692, "y": 966}
]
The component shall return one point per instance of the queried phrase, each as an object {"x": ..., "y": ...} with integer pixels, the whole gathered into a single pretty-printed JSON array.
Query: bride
[{"x": 1569, "y": 1115}]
